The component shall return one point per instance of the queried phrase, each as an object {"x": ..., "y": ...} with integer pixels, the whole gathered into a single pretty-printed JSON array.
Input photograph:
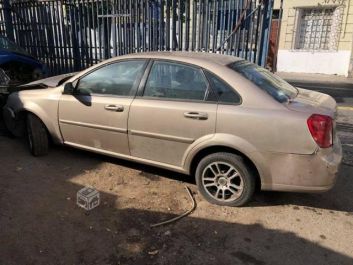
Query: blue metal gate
[{"x": 72, "y": 35}]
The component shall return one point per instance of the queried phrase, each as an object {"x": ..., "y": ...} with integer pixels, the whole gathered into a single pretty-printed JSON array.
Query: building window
[{"x": 318, "y": 29}]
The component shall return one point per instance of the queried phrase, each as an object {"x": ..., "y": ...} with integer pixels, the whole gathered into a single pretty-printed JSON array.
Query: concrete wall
[{"x": 336, "y": 61}]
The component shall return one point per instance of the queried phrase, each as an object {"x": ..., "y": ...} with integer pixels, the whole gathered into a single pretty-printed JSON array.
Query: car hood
[
  {"x": 313, "y": 102},
  {"x": 53, "y": 81}
]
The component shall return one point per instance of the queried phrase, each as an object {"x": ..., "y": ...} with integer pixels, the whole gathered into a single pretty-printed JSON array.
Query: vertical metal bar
[
  {"x": 63, "y": 37},
  {"x": 95, "y": 29},
  {"x": 116, "y": 26},
  {"x": 174, "y": 37},
  {"x": 238, "y": 34},
  {"x": 202, "y": 25},
  {"x": 229, "y": 26},
  {"x": 131, "y": 26},
  {"x": 28, "y": 31},
  {"x": 180, "y": 26},
  {"x": 120, "y": 30},
  {"x": 8, "y": 19},
  {"x": 52, "y": 27},
  {"x": 125, "y": 19},
  {"x": 155, "y": 18},
  {"x": 2, "y": 21},
  {"x": 21, "y": 38},
  {"x": 206, "y": 25},
  {"x": 137, "y": 26},
  {"x": 71, "y": 38},
  {"x": 193, "y": 27},
  {"x": 106, "y": 31},
  {"x": 149, "y": 25},
  {"x": 80, "y": 30},
  {"x": 15, "y": 25},
  {"x": 121, "y": 20},
  {"x": 167, "y": 28},
  {"x": 89, "y": 29},
  {"x": 47, "y": 35},
  {"x": 59, "y": 35},
  {"x": 265, "y": 35},
  {"x": 41, "y": 42},
  {"x": 99, "y": 27},
  {"x": 161, "y": 25},
  {"x": 74, "y": 35},
  {"x": 187, "y": 25},
  {"x": 274, "y": 69},
  {"x": 198, "y": 25},
  {"x": 247, "y": 31},
  {"x": 26, "y": 28},
  {"x": 251, "y": 33},
  {"x": 155, "y": 25},
  {"x": 214, "y": 25},
  {"x": 258, "y": 25},
  {"x": 143, "y": 10},
  {"x": 221, "y": 22},
  {"x": 34, "y": 26},
  {"x": 127, "y": 26},
  {"x": 232, "y": 24}
]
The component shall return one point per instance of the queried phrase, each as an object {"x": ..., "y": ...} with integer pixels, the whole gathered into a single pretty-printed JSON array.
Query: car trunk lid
[{"x": 313, "y": 102}]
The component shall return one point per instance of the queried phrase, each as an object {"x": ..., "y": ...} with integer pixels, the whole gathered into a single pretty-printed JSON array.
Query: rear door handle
[
  {"x": 117, "y": 108},
  {"x": 196, "y": 115}
]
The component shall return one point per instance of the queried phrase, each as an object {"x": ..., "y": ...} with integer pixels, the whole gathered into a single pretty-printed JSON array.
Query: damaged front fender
[{"x": 14, "y": 122}]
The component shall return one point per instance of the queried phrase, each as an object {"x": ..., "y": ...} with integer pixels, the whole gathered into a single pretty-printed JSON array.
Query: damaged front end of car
[{"x": 13, "y": 113}]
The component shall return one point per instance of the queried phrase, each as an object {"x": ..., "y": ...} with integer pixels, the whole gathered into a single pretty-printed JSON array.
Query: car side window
[
  {"x": 225, "y": 93},
  {"x": 176, "y": 81},
  {"x": 114, "y": 79}
]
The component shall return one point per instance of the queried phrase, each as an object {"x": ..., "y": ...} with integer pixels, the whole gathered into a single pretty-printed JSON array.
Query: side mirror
[{"x": 68, "y": 88}]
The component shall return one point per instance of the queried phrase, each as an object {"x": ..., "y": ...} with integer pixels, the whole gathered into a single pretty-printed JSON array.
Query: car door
[
  {"x": 95, "y": 115},
  {"x": 175, "y": 109}
]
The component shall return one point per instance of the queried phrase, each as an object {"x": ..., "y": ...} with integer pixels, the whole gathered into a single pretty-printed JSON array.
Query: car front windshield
[{"x": 264, "y": 79}]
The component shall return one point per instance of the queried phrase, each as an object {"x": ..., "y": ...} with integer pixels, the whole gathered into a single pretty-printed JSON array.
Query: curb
[{"x": 318, "y": 84}]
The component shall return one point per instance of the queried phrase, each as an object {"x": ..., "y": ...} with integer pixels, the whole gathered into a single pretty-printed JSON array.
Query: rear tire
[
  {"x": 224, "y": 179},
  {"x": 37, "y": 136}
]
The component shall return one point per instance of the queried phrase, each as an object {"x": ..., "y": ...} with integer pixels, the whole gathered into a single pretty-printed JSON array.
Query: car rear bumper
[{"x": 305, "y": 173}]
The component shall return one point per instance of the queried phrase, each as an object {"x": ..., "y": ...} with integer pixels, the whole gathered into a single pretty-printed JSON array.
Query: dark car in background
[
  {"x": 18, "y": 64},
  {"x": 17, "y": 67}
]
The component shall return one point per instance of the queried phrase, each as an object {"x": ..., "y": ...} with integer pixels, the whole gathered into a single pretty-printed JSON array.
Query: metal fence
[{"x": 72, "y": 35}]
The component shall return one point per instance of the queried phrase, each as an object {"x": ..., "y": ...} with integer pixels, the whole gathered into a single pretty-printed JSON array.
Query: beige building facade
[{"x": 316, "y": 36}]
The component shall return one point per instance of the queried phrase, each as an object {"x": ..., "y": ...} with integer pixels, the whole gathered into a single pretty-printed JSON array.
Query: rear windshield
[{"x": 264, "y": 79}]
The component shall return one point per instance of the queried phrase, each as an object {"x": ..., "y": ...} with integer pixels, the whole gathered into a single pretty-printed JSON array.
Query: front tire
[
  {"x": 37, "y": 136},
  {"x": 224, "y": 179}
]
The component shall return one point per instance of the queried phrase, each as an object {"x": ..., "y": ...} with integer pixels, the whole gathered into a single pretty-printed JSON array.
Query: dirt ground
[{"x": 40, "y": 222}]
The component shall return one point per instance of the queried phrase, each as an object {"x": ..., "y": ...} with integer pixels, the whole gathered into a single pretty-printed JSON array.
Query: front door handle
[
  {"x": 117, "y": 108},
  {"x": 196, "y": 115}
]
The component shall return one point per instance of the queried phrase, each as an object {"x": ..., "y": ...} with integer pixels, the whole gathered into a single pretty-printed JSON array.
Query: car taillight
[{"x": 321, "y": 129}]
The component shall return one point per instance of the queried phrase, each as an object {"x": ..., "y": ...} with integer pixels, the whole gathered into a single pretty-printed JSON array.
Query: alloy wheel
[{"x": 222, "y": 181}]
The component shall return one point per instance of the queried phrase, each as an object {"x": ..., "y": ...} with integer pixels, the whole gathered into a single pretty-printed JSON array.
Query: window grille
[{"x": 316, "y": 29}]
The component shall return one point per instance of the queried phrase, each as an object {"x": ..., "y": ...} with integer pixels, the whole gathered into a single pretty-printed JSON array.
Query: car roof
[
  {"x": 215, "y": 63},
  {"x": 196, "y": 58}
]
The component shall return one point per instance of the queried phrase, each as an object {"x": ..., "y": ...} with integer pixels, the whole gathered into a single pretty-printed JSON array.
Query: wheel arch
[
  {"x": 49, "y": 123},
  {"x": 222, "y": 148},
  {"x": 22, "y": 116}
]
